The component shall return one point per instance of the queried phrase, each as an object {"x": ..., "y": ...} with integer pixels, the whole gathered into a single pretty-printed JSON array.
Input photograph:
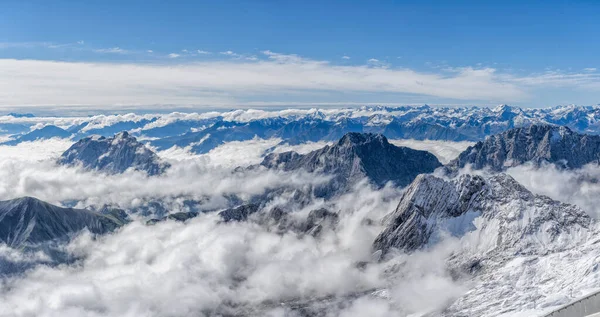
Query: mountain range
[
  {"x": 203, "y": 132},
  {"x": 493, "y": 221}
]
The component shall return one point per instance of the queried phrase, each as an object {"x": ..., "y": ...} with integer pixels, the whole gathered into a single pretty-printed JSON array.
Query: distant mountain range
[
  {"x": 113, "y": 155},
  {"x": 203, "y": 132}
]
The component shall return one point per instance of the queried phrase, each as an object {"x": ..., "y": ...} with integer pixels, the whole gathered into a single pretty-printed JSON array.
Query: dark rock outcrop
[
  {"x": 536, "y": 144},
  {"x": 240, "y": 213},
  {"x": 177, "y": 216},
  {"x": 29, "y": 220},
  {"x": 357, "y": 156}
]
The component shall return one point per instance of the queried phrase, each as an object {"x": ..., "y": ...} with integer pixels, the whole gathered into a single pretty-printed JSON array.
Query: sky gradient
[{"x": 240, "y": 53}]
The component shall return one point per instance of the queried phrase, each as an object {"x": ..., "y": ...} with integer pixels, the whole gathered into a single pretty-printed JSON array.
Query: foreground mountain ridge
[{"x": 505, "y": 213}]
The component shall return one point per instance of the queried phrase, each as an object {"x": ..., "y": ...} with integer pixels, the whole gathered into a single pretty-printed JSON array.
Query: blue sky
[{"x": 528, "y": 53}]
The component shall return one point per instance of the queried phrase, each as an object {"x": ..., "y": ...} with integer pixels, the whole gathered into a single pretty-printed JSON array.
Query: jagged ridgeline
[
  {"x": 27, "y": 221},
  {"x": 511, "y": 217},
  {"x": 357, "y": 156},
  {"x": 204, "y": 132},
  {"x": 535, "y": 144},
  {"x": 113, "y": 155}
]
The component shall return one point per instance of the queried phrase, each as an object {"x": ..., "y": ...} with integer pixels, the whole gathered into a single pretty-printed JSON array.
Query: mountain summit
[
  {"x": 113, "y": 155},
  {"x": 490, "y": 215},
  {"x": 356, "y": 156},
  {"x": 537, "y": 144},
  {"x": 28, "y": 220}
]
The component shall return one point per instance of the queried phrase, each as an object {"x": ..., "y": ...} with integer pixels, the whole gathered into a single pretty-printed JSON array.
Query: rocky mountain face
[
  {"x": 357, "y": 156},
  {"x": 494, "y": 215},
  {"x": 113, "y": 155},
  {"x": 537, "y": 144},
  {"x": 27, "y": 220}
]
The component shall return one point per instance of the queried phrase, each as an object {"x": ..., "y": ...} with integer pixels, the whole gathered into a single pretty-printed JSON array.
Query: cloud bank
[
  {"x": 220, "y": 83},
  {"x": 206, "y": 267}
]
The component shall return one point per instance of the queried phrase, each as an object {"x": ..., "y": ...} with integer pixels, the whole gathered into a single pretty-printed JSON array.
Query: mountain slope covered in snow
[{"x": 113, "y": 155}]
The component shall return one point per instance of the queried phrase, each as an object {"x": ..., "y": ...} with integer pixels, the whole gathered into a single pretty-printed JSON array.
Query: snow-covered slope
[
  {"x": 494, "y": 214},
  {"x": 113, "y": 155},
  {"x": 518, "y": 251}
]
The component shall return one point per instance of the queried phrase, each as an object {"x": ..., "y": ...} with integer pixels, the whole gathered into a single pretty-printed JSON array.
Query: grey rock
[
  {"x": 177, "y": 216},
  {"x": 113, "y": 155},
  {"x": 511, "y": 216},
  {"x": 356, "y": 156},
  {"x": 29, "y": 220},
  {"x": 240, "y": 213},
  {"x": 536, "y": 144},
  {"x": 317, "y": 220}
]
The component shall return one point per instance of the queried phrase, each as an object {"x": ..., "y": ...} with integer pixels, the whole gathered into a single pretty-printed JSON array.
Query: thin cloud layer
[{"x": 231, "y": 82}]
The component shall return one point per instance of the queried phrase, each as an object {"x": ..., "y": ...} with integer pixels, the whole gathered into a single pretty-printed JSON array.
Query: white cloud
[
  {"x": 225, "y": 83},
  {"x": 345, "y": 57},
  {"x": 228, "y": 83},
  {"x": 229, "y": 53},
  {"x": 112, "y": 50},
  {"x": 373, "y": 60},
  {"x": 589, "y": 69},
  {"x": 206, "y": 267},
  {"x": 203, "y": 52},
  {"x": 149, "y": 51},
  {"x": 34, "y": 151},
  {"x": 445, "y": 151},
  {"x": 579, "y": 187},
  {"x": 211, "y": 268}
]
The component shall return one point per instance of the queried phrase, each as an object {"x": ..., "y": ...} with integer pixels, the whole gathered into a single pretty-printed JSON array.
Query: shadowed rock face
[
  {"x": 537, "y": 144},
  {"x": 240, "y": 213},
  {"x": 356, "y": 156},
  {"x": 113, "y": 155},
  {"x": 178, "y": 216},
  {"x": 28, "y": 220},
  {"x": 510, "y": 218}
]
